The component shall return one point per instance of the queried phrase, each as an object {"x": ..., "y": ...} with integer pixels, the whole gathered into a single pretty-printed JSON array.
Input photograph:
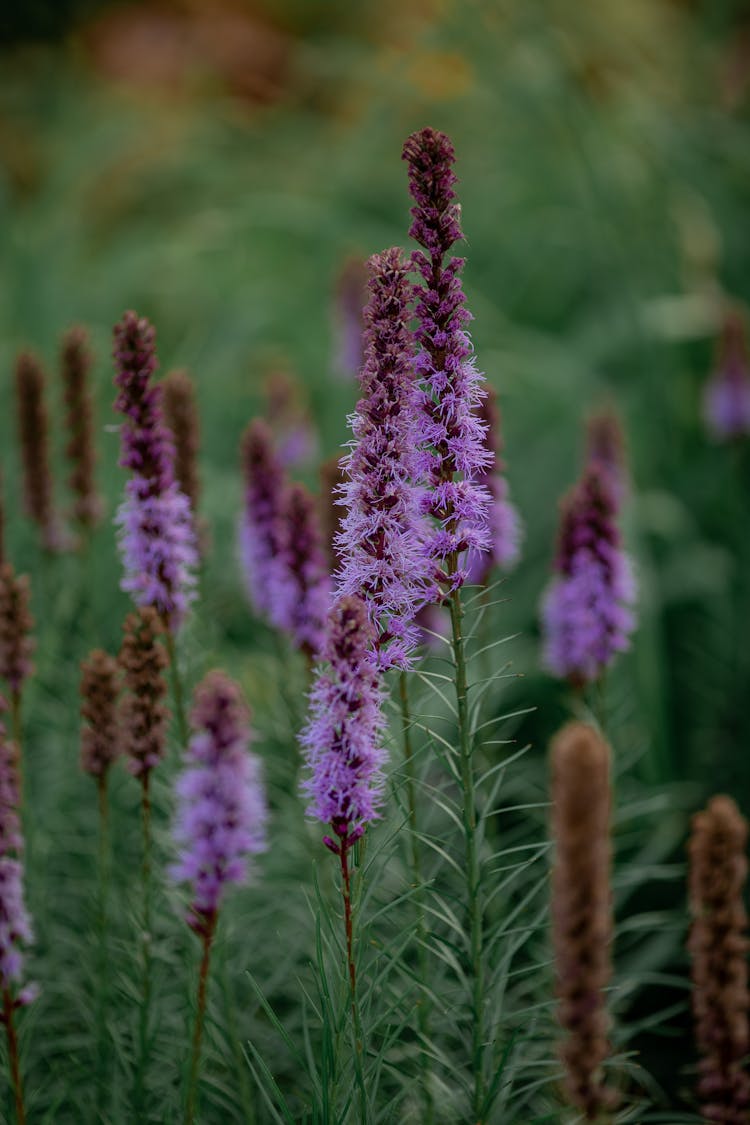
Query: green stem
[
  {"x": 146, "y": 944},
  {"x": 15, "y": 1069},
  {"x": 207, "y": 938},
  {"x": 423, "y": 1014},
  {"x": 472, "y": 856},
  {"x": 177, "y": 693},
  {"x": 346, "y": 891},
  {"x": 103, "y": 967}
]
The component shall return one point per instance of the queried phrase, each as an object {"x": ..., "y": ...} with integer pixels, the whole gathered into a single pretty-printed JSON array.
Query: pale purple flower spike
[
  {"x": 382, "y": 535},
  {"x": 587, "y": 612},
  {"x": 726, "y": 403},
  {"x": 156, "y": 537},
  {"x": 15, "y": 924},
  {"x": 221, "y": 808},
  {"x": 342, "y": 741}
]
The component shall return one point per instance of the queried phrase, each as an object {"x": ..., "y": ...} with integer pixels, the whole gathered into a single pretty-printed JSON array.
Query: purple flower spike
[
  {"x": 221, "y": 808},
  {"x": 15, "y": 925},
  {"x": 304, "y": 591},
  {"x": 606, "y": 451},
  {"x": 587, "y": 611},
  {"x": 505, "y": 523},
  {"x": 455, "y": 456},
  {"x": 157, "y": 539},
  {"x": 382, "y": 534},
  {"x": 727, "y": 398},
  {"x": 342, "y": 738},
  {"x": 261, "y": 530}
]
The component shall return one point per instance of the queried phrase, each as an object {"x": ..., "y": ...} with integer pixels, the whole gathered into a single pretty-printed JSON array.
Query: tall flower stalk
[
  {"x": 582, "y": 922},
  {"x": 726, "y": 402},
  {"x": 219, "y": 825},
  {"x": 342, "y": 743},
  {"x": 15, "y": 925},
  {"x": 16, "y": 642},
  {"x": 718, "y": 947},
  {"x": 454, "y": 457},
  {"x": 260, "y": 532},
  {"x": 304, "y": 590},
  {"x": 33, "y": 429},
  {"x": 182, "y": 418},
  {"x": 75, "y": 367},
  {"x": 143, "y": 723}
]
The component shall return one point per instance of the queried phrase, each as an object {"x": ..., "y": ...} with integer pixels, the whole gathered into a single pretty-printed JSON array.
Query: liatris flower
[
  {"x": 348, "y": 307},
  {"x": 342, "y": 738},
  {"x": 260, "y": 525},
  {"x": 454, "y": 456},
  {"x": 75, "y": 362},
  {"x": 383, "y": 530},
  {"x": 504, "y": 521},
  {"x": 221, "y": 810},
  {"x": 143, "y": 714},
  {"x": 181, "y": 416},
  {"x": 303, "y": 594},
  {"x": 605, "y": 450},
  {"x": 100, "y": 740},
  {"x": 33, "y": 428},
  {"x": 582, "y": 909},
  {"x": 15, "y": 925},
  {"x": 157, "y": 539},
  {"x": 718, "y": 946},
  {"x": 587, "y": 611},
  {"x": 726, "y": 403},
  {"x": 16, "y": 623},
  {"x": 296, "y": 441},
  {"x": 332, "y": 478}
]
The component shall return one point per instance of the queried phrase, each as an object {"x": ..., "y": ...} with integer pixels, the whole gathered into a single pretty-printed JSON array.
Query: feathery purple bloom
[
  {"x": 221, "y": 810},
  {"x": 726, "y": 402},
  {"x": 382, "y": 535},
  {"x": 260, "y": 536},
  {"x": 504, "y": 520},
  {"x": 454, "y": 454},
  {"x": 342, "y": 738},
  {"x": 15, "y": 925},
  {"x": 157, "y": 538},
  {"x": 587, "y": 611},
  {"x": 304, "y": 590}
]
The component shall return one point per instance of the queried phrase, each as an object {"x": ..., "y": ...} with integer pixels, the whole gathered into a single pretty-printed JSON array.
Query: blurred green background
[{"x": 212, "y": 165}]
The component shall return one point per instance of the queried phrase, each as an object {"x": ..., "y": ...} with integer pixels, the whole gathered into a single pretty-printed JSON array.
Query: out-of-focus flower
[
  {"x": 348, "y": 318},
  {"x": 587, "y": 614},
  {"x": 296, "y": 441},
  {"x": 304, "y": 587},
  {"x": 260, "y": 534},
  {"x": 221, "y": 809},
  {"x": 75, "y": 366},
  {"x": 332, "y": 479},
  {"x": 16, "y": 623},
  {"x": 504, "y": 521},
  {"x": 143, "y": 715},
  {"x": 606, "y": 451},
  {"x": 100, "y": 737},
  {"x": 15, "y": 924},
  {"x": 181, "y": 415},
  {"x": 33, "y": 428},
  {"x": 157, "y": 537},
  {"x": 726, "y": 402}
]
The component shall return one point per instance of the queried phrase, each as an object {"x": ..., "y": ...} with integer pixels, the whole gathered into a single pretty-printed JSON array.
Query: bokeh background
[{"x": 214, "y": 164}]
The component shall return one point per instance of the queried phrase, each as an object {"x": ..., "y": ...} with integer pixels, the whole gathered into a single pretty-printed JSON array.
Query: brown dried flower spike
[
  {"x": 33, "y": 428},
  {"x": 582, "y": 911},
  {"x": 75, "y": 364},
  {"x": 16, "y": 623},
  {"x": 143, "y": 714},
  {"x": 718, "y": 946},
  {"x": 100, "y": 743}
]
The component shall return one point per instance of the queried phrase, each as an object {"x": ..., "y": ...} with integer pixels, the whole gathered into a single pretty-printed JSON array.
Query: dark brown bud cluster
[
  {"x": 181, "y": 415},
  {"x": 75, "y": 365},
  {"x": 143, "y": 713},
  {"x": 16, "y": 623},
  {"x": 33, "y": 428},
  {"x": 100, "y": 741},
  {"x": 718, "y": 946},
  {"x": 582, "y": 910}
]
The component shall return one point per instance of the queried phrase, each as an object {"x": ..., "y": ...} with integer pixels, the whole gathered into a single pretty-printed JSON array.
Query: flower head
[
  {"x": 726, "y": 403},
  {"x": 261, "y": 531},
  {"x": 382, "y": 535},
  {"x": 342, "y": 739},
  {"x": 15, "y": 925},
  {"x": 75, "y": 365},
  {"x": 304, "y": 587},
  {"x": 143, "y": 715},
  {"x": 100, "y": 737},
  {"x": 454, "y": 452},
  {"x": 157, "y": 538},
  {"x": 16, "y": 623},
  {"x": 221, "y": 808},
  {"x": 587, "y": 611},
  {"x": 33, "y": 428},
  {"x": 504, "y": 521},
  {"x": 181, "y": 416},
  {"x": 605, "y": 450}
]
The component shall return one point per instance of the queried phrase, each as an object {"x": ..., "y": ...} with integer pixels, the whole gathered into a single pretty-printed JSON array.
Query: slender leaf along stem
[
  {"x": 207, "y": 936},
  {"x": 346, "y": 891}
]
